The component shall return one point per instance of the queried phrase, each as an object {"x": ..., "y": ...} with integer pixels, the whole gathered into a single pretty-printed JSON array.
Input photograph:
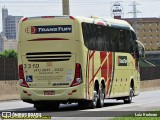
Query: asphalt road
[{"x": 146, "y": 101}]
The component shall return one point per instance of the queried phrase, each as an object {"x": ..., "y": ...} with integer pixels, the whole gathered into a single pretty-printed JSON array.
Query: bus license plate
[{"x": 49, "y": 92}]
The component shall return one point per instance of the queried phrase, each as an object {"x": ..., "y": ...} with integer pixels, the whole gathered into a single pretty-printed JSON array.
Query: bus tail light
[
  {"x": 71, "y": 17},
  {"x": 24, "y": 19},
  {"x": 22, "y": 81},
  {"x": 78, "y": 75}
]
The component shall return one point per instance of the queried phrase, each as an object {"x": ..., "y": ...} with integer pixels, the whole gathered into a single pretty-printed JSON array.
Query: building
[
  {"x": 9, "y": 44},
  {"x": 148, "y": 31},
  {"x": 9, "y": 24},
  {"x": 1, "y": 42}
]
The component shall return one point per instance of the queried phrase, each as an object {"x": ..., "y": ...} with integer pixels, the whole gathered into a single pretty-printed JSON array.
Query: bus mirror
[
  {"x": 141, "y": 49},
  {"x": 142, "y": 52}
]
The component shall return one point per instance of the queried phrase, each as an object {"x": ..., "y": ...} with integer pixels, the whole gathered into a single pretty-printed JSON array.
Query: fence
[
  {"x": 150, "y": 73},
  {"x": 9, "y": 70}
]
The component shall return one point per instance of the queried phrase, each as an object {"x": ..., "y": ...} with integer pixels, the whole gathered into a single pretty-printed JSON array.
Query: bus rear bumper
[
  {"x": 55, "y": 101},
  {"x": 71, "y": 94}
]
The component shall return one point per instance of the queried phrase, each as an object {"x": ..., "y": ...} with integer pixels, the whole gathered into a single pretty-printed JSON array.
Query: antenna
[{"x": 134, "y": 12}]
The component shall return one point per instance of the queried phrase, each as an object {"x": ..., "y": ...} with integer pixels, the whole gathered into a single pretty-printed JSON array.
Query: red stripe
[
  {"x": 110, "y": 72},
  {"x": 94, "y": 75},
  {"x": 44, "y": 39},
  {"x": 104, "y": 66},
  {"x": 91, "y": 55}
]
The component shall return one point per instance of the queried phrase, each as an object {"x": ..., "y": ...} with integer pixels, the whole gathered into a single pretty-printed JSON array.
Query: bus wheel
[
  {"x": 129, "y": 98},
  {"x": 100, "y": 102},
  {"x": 93, "y": 103}
]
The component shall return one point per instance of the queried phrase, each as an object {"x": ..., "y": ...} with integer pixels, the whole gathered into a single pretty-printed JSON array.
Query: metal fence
[
  {"x": 150, "y": 73},
  {"x": 8, "y": 69}
]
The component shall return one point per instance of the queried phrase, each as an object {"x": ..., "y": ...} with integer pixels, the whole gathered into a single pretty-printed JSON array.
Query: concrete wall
[
  {"x": 150, "y": 85},
  {"x": 9, "y": 91}
]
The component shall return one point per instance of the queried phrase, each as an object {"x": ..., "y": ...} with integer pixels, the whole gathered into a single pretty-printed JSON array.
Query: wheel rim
[
  {"x": 101, "y": 97},
  {"x": 131, "y": 94},
  {"x": 95, "y": 99}
]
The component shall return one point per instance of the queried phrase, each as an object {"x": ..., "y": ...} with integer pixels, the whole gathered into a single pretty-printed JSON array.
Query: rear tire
[
  {"x": 100, "y": 102},
  {"x": 93, "y": 103},
  {"x": 129, "y": 98}
]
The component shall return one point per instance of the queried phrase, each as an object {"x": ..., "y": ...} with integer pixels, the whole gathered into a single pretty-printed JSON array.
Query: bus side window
[
  {"x": 136, "y": 52},
  {"x": 85, "y": 35},
  {"x": 89, "y": 35},
  {"x": 96, "y": 31},
  {"x": 100, "y": 38},
  {"x": 107, "y": 40},
  {"x": 115, "y": 37},
  {"x": 129, "y": 42},
  {"x": 103, "y": 40},
  {"x": 122, "y": 47}
]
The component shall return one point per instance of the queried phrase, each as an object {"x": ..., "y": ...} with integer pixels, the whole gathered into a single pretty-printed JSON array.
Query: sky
[{"x": 28, "y": 8}]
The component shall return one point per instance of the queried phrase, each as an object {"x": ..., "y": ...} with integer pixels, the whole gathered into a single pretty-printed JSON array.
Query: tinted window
[{"x": 103, "y": 38}]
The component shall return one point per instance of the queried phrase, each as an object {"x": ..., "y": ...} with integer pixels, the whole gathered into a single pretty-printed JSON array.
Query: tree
[{"x": 8, "y": 54}]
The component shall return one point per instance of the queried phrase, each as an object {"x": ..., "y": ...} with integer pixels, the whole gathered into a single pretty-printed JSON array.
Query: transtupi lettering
[
  {"x": 46, "y": 29},
  {"x": 64, "y": 29}
]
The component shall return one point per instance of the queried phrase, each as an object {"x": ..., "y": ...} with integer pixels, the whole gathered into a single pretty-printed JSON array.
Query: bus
[{"x": 69, "y": 59}]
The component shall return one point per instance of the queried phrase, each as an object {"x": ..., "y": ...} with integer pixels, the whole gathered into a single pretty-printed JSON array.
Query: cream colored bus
[{"x": 66, "y": 59}]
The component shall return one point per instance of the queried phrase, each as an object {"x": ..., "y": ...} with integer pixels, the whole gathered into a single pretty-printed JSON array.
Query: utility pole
[
  {"x": 134, "y": 12},
  {"x": 65, "y": 7}
]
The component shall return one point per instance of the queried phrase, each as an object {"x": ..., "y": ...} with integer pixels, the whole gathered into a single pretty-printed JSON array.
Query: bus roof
[
  {"x": 96, "y": 20},
  {"x": 107, "y": 22}
]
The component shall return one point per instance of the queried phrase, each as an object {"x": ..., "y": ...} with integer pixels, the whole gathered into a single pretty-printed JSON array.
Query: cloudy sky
[{"x": 148, "y": 8}]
